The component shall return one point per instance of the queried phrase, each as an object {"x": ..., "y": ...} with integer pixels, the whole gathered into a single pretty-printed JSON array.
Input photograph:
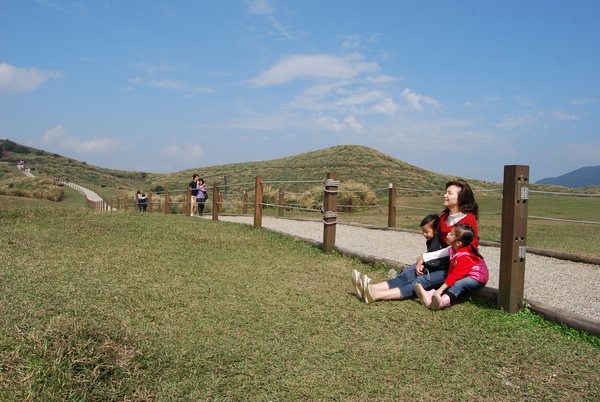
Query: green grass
[{"x": 127, "y": 306}]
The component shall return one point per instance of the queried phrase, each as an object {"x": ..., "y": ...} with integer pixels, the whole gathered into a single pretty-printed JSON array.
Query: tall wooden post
[
  {"x": 515, "y": 198},
  {"x": 330, "y": 197},
  {"x": 281, "y": 201},
  {"x": 258, "y": 199},
  {"x": 187, "y": 209},
  {"x": 392, "y": 195},
  {"x": 149, "y": 201},
  {"x": 245, "y": 203},
  {"x": 215, "y": 204}
]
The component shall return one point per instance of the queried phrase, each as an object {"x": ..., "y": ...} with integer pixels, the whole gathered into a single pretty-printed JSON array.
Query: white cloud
[
  {"x": 511, "y": 122},
  {"x": 416, "y": 101},
  {"x": 386, "y": 106},
  {"x": 563, "y": 116},
  {"x": 358, "y": 41},
  {"x": 354, "y": 125},
  {"x": 328, "y": 123},
  {"x": 314, "y": 67},
  {"x": 265, "y": 8},
  {"x": 168, "y": 84},
  {"x": 381, "y": 78},
  {"x": 260, "y": 7},
  {"x": 58, "y": 137},
  {"x": 186, "y": 153},
  {"x": 15, "y": 79},
  {"x": 583, "y": 101}
]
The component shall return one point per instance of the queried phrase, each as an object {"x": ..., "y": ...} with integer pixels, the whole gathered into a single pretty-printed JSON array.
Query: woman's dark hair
[
  {"x": 465, "y": 234},
  {"x": 433, "y": 219},
  {"x": 466, "y": 199}
]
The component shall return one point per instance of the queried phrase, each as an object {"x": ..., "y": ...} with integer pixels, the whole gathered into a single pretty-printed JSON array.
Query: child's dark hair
[
  {"x": 433, "y": 219},
  {"x": 466, "y": 199},
  {"x": 465, "y": 234}
]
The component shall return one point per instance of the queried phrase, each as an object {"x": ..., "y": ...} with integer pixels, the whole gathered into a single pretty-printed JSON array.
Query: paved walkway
[{"x": 89, "y": 194}]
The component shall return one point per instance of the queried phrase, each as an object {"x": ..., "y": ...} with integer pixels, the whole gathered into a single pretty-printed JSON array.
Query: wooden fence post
[
  {"x": 220, "y": 204},
  {"x": 281, "y": 201},
  {"x": 245, "y": 203},
  {"x": 149, "y": 201},
  {"x": 330, "y": 197},
  {"x": 188, "y": 201},
  {"x": 167, "y": 202},
  {"x": 393, "y": 194},
  {"x": 125, "y": 207},
  {"x": 258, "y": 198},
  {"x": 215, "y": 205},
  {"x": 513, "y": 237}
]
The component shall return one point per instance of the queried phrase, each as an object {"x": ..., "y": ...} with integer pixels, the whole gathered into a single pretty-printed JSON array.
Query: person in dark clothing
[{"x": 194, "y": 185}]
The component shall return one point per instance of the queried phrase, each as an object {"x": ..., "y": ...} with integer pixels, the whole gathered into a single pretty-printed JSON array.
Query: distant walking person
[
  {"x": 194, "y": 185},
  {"x": 139, "y": 200},
  {"x": 143, "y": 203},
  {"x": 202, "y": 196}
]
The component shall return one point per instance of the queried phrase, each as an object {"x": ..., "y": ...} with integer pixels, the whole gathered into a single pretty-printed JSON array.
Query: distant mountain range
[{"x": 584, "y": 177}]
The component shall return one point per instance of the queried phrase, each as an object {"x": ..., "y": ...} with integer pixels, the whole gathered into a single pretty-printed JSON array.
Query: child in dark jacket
[
  {"x": 467, "y": 270},
  {"x": 429, "y": 227}
]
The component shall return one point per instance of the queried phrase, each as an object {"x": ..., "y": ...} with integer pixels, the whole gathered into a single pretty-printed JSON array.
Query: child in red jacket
[{"x": 467, "y": 270}]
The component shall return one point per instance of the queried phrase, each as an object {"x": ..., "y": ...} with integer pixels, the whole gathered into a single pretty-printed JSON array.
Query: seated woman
[{"x": 460, "y": 207}]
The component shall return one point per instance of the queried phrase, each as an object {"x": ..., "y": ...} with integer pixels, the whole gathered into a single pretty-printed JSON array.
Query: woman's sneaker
[
  {"x": 356, "y": 281},
  {"x": 368, "y": 298}
]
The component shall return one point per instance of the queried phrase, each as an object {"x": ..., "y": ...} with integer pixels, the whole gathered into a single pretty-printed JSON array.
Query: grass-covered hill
[
  {"x": 361, "y": 164},
  {"x": 352, "y": 162},
  {"x": 54, "y": 165}
]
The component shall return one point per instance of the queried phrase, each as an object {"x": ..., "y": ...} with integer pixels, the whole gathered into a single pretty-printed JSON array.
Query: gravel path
[{"x": 552, "y": 281}]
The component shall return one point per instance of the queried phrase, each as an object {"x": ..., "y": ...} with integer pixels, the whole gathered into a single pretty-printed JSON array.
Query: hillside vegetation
[{"x": 360, "y": 164}]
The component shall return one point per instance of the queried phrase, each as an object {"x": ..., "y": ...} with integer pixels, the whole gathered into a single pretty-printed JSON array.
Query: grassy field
[{"x": 127, "y": 306}]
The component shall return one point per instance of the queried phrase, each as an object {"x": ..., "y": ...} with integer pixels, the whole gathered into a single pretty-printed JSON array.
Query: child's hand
[{"x": 419, "y": 269}]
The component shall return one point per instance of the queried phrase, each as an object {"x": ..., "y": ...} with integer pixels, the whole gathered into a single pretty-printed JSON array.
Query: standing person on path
[
  {"x": 194, "y": 185},
  {"x": 202, "y": 196},
  {"x": 139, "y": 200},
  {"x": 460, "y": 207}
]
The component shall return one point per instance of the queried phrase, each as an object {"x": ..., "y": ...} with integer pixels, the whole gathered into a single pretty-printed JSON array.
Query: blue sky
[{"x": 456, "y": 87}]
